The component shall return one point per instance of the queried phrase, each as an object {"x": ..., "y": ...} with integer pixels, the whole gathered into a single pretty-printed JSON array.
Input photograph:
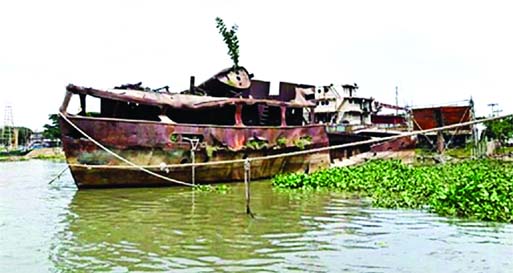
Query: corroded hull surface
[{"x": 155, "y": 146}]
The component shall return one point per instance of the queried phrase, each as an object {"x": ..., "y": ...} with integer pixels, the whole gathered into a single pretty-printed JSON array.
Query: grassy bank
[
  {"x": 53, "y": 154},
  {"x": 476, "y": 189},
  {"x": 12, "y": 158},
  {"x": 465, "y": 152}
]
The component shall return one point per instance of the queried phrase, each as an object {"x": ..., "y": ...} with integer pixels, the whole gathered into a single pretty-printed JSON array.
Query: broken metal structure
[{"x": 439, "y": 116}]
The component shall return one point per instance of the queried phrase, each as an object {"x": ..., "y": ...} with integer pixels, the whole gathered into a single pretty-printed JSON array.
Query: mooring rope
[
  {"x": 58, "y": 175},
  {"x": 289, "y": 154},
  {"x": 122, "y": 158}
]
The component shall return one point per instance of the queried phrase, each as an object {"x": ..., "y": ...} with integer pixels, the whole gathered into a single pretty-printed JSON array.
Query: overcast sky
[{"x": 434, "y": 51}]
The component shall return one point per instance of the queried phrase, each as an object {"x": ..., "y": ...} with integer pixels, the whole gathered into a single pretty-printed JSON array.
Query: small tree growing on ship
[{"x": 231, "y": 40}]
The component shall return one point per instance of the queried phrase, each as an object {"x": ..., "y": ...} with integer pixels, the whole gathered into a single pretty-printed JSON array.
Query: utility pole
[
  {"x": 396, "y": 101},
  {"x": 475, "y": 136},
  {"x": 492, "y": 105},
  {"x": 8, "y": 127}
]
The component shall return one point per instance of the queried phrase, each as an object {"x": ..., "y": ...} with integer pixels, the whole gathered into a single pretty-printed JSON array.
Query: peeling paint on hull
[{"x": 150, "y": 144}]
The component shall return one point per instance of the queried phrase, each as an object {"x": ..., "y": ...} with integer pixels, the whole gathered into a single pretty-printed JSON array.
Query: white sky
[{"x": 434, "y": 51}]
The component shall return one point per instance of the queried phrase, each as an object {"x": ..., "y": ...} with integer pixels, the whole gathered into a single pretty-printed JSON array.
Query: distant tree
[
  {"x": 501, "y": 129},
  {"x": 231, "y": 40},
  {"x": 52, "y": 130},
  {"x": 4, "y": 133},
  {"x": 24, "y": 135}
]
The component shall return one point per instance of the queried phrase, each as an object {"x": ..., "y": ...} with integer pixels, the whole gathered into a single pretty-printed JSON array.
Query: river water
[{"x": 56, "y": 228}]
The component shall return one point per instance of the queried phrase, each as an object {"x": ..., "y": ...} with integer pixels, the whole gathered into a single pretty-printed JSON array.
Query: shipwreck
[{"x": 226, "y": 118}]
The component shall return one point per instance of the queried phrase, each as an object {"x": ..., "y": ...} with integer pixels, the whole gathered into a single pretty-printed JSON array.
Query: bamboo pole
[{"x": 247, "y": 177}]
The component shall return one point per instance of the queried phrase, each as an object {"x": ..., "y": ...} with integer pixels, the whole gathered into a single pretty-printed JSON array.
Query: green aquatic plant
[
  {"x": 209, "y": 188},
  {"x": 479, "y": 191},
  {"x": 476, "y": 189}
]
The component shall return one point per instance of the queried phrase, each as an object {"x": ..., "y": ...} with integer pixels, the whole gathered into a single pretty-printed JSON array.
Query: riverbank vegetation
[
  {"x": 475, "y": 189},
  {"x": 53, "y": 154},
  {"x": 12, "y": 158}
]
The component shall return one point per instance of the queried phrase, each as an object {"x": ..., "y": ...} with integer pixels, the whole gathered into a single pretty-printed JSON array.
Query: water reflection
[
  {"x": 178, "y": 230},
  {"x": 155, "y": 229},
  {"x": 59, "y": 229}
]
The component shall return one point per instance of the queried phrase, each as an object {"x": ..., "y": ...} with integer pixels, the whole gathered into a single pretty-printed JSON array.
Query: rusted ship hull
[
  {"x": 130, "y": 177},
  {"x": 162, "y": 148}
]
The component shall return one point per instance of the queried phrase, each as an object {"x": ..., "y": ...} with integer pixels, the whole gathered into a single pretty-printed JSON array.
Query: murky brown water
[{"x": 55, "y": 228}]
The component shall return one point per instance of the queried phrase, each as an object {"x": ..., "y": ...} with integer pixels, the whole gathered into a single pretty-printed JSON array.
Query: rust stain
[
  {"x": 399, "y": 144},
  {"x": 429, "y": 118},
  {"x": 150, "y": 144},
  {"x": 148, "y": 127}
]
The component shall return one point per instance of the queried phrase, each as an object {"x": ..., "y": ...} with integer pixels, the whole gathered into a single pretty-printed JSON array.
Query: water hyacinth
[
  {"x": 210, "y": 188},
  {"x": 476, "y": 189}
]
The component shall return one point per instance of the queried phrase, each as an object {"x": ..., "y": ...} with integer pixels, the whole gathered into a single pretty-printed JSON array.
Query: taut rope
[{"x": 303, "y": 152}]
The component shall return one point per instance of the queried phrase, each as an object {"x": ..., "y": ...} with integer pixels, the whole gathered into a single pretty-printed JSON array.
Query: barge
[{"x": 163, "y": 132}]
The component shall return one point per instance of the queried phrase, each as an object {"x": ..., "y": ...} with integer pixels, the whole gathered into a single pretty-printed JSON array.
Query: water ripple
[{"x": 58, "y": 229}]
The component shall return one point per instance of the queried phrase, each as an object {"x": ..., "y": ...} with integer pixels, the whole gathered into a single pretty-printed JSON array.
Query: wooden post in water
[
  {"x": 440, "y": 142},
  {"x": 247, "y": 177},
  {"x": 193, "y": 160}
]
